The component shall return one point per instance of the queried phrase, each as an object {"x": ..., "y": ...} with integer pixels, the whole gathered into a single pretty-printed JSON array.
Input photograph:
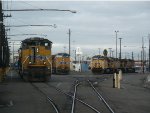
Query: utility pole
[
  {"x": 1, "y": 25},
  {"x": 110, "y": 51},
  {"x": 13, "y": 52},
  {"x": 132, "y": 56},
  {"x": 69, "y": 41},
  {"x": 116, "y": 43},
  {"x": 149, "y": 51},
  {"x": 120, "y": 49},
  {"x": 99, "y": 50},
  {"x": 75, "y": 56},
  {"x": 141, "y": 60},
  {"x": 143, "y": 53},
  {"x": 4, "y": 49},
  {"x": 2, "y": 38}
]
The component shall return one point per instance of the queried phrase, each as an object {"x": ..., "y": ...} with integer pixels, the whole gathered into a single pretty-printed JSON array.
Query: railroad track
[
  {"x": 100, "y": 104},
  {"x": 75, "y": 98},
  {"x": 101, "y": 97},
  {"x": 55, "y": 108},
  {"x": 58, "y": 98}
]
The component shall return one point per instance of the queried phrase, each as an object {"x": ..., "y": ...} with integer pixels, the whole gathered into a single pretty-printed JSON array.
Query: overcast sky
[{"x": 92, "y": 27}]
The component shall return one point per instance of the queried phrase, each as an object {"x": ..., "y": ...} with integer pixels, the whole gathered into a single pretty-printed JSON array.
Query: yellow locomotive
[
  {"x": 61, "y": 63},
  {"x": 35, "y": 59},
  {"x": 103, "y": 64},
  {"x": 127, "y": 65}
]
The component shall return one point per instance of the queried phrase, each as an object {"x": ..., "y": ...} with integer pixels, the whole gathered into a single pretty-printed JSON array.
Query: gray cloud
[{"x": 92, "y": 26}]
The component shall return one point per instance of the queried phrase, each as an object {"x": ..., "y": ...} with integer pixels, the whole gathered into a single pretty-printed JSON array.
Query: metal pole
[
  {"x": 69, "y": 48},
  {"x": 99, "y": 50},
  {"x": 149, "y": 51},
  {"x": 120, "y": 49},
  {"x": 1, "y": 35},
  {"x": 69, "y": 41},
  {"x": 110, "y": 51},
  {"x": 145, "y": 57},
  {"x": 143, "y": 53},
  {"x": 132, "y": 56},
  {"x": 75, "y": 57},
  {"x": 141, "y": 60},
  {"x": 72, "y": 11},
  {"x": 116, "y": 43},
  {"x": 13, "y": 54}
]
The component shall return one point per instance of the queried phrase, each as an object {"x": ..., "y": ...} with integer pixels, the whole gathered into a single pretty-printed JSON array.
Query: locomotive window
[
  {"x": 58, "y": 56},
  {"x": 46, "y": 44},
  {"x": 24, "y": 44},
  {"x": 32, "y": 44},
  {"x": 66, "y": 56}
]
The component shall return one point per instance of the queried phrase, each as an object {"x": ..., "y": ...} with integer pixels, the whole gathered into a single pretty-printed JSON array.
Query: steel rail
[
  {"x": 100, "y": 96},
  {"x": 74, "y": 97},
  {"x": 48, "y": 98},
  {"x": 84, "y": 103},
  {"x": 53, "y": 104}
]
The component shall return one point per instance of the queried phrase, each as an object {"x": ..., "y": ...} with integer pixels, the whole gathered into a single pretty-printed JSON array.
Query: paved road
[
  {"x": 133, "y": 97},
  {"x": 17, "y": 96}
]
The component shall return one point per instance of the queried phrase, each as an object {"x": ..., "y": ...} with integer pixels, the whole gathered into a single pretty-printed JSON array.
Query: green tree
[{"x": 105, "y": 52}]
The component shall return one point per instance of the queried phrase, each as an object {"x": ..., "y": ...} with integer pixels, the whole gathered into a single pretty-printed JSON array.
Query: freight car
[
  {"x": 61, "y": 63},
  {"x": 35, "y": 60},
  {"x": 103, "y": 64}
]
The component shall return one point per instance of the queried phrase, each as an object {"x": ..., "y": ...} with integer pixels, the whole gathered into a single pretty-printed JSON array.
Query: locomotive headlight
[
  {"x": 37, "y": 50},
  {"x": 29, "y": 62}
]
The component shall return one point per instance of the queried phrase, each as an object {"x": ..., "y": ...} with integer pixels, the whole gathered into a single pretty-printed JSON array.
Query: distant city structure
[{"x": 79, "y": 59}]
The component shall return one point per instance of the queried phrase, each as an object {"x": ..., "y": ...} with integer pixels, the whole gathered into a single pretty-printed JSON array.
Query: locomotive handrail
[
  {"x": 24, "y": 62},
  {"x": 49, "y": 63}
]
